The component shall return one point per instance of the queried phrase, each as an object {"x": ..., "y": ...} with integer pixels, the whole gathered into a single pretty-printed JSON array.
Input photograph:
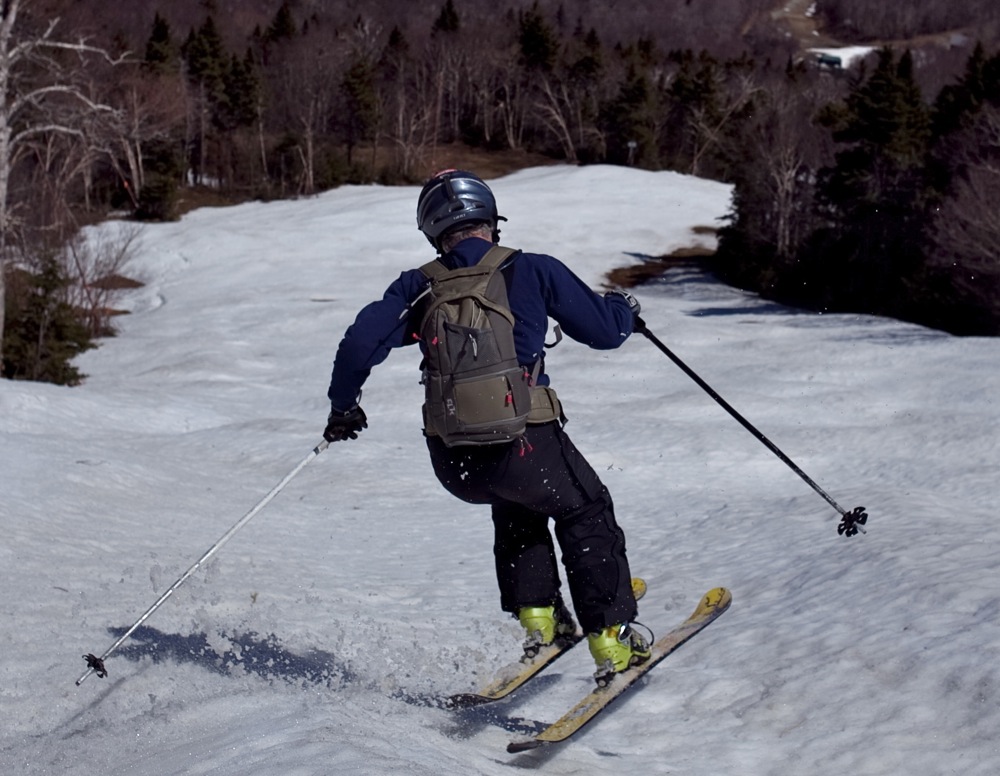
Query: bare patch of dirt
[
  {"x": 486, "y": 164},
  {"x": 116, "y": 283},
  {"x": 638, "y": 274}
]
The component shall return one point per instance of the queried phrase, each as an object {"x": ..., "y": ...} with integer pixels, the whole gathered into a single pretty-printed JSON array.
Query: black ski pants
[{"x": 526, "y": 485}]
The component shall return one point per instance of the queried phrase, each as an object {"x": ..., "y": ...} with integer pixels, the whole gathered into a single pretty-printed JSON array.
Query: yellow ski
[
  {"x": 714, "y": 603},
  {"x": 514, "y": 676}
]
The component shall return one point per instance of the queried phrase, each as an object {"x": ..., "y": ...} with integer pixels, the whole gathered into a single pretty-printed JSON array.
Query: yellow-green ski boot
[
  {"x": 616, "y": 649},
  {"x": 543, "y": 625}
]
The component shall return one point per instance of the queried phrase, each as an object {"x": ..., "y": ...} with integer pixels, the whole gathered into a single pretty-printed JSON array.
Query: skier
[{"x": 538, "y": 476}]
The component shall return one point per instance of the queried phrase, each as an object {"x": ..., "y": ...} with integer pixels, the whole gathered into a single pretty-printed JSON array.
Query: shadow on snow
[{"x": 266, "y": 657}]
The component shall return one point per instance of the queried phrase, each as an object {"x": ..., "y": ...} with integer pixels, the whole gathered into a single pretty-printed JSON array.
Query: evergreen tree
[
  {"x": 693, "y": 100},
  {"x": 875, "y": 196},
  {"x": 283, "y": 26},
  {"x": 163, "y": 163},
  {"x": 205, "y": 55},
  {"x": 208, "y": 67},
  {"x": 538, "y": 41},
  {"x": 160, "y": 53},
  {"x": 447, "y": 21},
  {"x": 43, "y": 332},
  {"x": 628, "y": 121},
  {"x": 887, "y": 115},
  {"x": 588, "y": 64},
  {"x": 395, "y": 54},
  {"x": 991, "y": 80},
  {"x": 957, "y": 107},
  {"x": 241, "y": 87},
  {"x": 956, "y": 102},
  {"x": 279, "y": 32},
  {"x": 360, "y": 115}
]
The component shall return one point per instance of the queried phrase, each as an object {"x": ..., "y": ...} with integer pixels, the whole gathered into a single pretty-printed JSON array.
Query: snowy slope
[{"x": 307, "y": 644}]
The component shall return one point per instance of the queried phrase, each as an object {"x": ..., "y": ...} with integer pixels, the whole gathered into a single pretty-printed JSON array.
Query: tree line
[
  {"x": 863, "y": 21},
  {"x": 853, "y": 190},
  {"x": 876, "y": 200}
]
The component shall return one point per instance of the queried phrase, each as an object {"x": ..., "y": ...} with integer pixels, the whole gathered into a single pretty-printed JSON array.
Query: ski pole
[
  {"x": 852, "y": 521},
  {"x": 95, "y": 663}
]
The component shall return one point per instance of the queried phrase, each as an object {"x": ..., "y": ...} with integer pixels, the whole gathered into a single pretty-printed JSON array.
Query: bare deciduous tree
[
  {"x": 97, "y": 264},
  {"x": 408, "y": 116},
  {"x": 783, "y": 150},
  {"x": 41, "y": 93},
  {"x": 557, "y": 112},
  {"x": 147, "y": 108},
  {"x": 302, "y": 96}
]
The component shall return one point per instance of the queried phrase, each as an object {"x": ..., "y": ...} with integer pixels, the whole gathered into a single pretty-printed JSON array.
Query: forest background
[{"x": 866, "y": 184}]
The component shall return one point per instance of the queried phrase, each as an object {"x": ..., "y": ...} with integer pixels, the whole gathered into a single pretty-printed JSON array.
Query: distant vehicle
[{"x": 829, "y": 61}]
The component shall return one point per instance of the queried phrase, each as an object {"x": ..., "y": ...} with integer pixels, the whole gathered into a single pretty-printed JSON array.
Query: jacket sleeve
[
  {"x": 601, "y": 322},
  {"x": 378, "y": 328}
]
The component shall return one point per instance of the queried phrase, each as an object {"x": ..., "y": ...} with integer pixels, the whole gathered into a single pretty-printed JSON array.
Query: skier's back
[{"x": 529, "y": 475}]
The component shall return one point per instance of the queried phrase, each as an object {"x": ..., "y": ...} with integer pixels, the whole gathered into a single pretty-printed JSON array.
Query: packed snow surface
[{"x": 314, "y": 641}]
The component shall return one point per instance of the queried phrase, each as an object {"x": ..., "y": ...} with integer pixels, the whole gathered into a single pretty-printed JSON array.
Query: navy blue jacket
[{"x": 539, "y": 287}]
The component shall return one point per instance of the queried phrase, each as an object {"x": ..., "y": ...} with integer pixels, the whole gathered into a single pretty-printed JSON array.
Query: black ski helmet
[{"x": 455, "y": 198}]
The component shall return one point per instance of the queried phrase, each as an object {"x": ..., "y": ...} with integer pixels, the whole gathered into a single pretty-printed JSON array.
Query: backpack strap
[
  {"x": 496, "y": 256},
  {"x": 436, "y": 270}
]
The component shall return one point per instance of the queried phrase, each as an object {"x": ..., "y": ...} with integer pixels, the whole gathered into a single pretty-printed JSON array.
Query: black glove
[
  {"x": 345, "y": 425},
  {"x": 633, "y": 303}
]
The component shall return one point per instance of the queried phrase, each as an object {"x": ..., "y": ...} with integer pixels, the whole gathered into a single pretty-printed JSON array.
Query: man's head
[{"x": 452, "y": 200}]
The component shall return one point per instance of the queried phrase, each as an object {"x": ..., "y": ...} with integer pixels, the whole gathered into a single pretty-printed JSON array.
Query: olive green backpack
[{"x": 476, "y": 392}]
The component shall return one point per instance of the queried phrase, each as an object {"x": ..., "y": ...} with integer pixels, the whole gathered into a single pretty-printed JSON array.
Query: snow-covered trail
[{"x": 306, "y": 645}]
